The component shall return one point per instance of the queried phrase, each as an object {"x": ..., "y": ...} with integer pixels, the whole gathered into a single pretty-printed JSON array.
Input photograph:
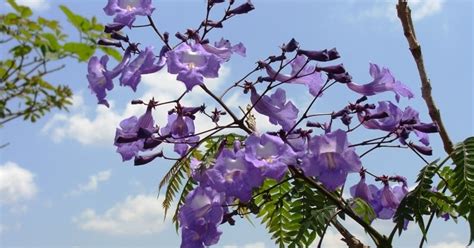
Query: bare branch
[{"x": 404, "y": 14}]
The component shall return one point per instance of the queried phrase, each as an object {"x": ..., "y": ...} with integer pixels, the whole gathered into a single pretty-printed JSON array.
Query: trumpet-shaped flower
[
  {"x": 100, "y": 79},
  {"x": 279, "y": 111},
  {"x": 193, "y": 63},
  {"x": 300, "y": 74},
  {"x": 143, "y": 64},
  {"x": 331, "y": 159},
  {"x": 125, "y": 11},
  {"x": 383, "y": 80}
]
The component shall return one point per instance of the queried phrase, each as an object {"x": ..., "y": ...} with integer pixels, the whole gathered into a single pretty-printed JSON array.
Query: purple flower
[
  {"x": 143, "y": 64},
  {"x": 383, "y": 81},
  {"x": 233, "y": 175},
  {"x": 387, "y": 199},
  {"x": 389, "y": 123},
  {"x": 192, "y": 64},
  {"x": 331, "y": 159},
  {"x": 128, "y": 138},
  {"x": 224, "y": 50},
  {"x": 362, "y": 191},
  {"x": 199, "y": 217},
  {"x": 100, "y": 79},
  {"x": 126, "y": 10},
  {"x": 300, "y": 74},
  {"x": 399, "y": 122},
  {"x": 276, "y": 108},
  {"x": 270, "y": 154},
  {"x": 180, "y": 129}
]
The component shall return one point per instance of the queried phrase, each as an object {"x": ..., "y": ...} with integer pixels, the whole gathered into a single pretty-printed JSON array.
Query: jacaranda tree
[{"x": 293, "y": 179}]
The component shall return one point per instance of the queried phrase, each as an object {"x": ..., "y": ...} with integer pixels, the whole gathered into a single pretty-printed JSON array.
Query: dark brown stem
[
  {"x": 404, "y": 14},
  {"x": 152, "y": 24},
  {"x": 349, "y": 239}
]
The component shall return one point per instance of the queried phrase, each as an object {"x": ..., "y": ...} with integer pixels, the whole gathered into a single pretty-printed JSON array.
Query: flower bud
[
  {"x": 242, "y": 9},
  {"x": 265, "y": 79},
  {"x": 425, "y": 150},
  {"x": 426, "y": 127},
  {"x": 362, "y": 99},
  {"x": 376, "y": 116},
  {"x": 340, "y": 113},
  {"x": 105, "y": 42},
  {"x": 181, "y": 37},
  {"x": 141, "y": 160},
  {"x": 291, "y": 46},
  {"x": 114, "y": 27},
  {"x": 346, "y": 119},
  {"x": 314, "y": 55},
  {"x": 333, "y": 54},
  {"x": 313, "y": 124},
  {"x": 276, "y": 58},
  {"x": 341, "y": 78},
  {"x": 117, "y": 36},
  {"x": 333, "y": 69}
]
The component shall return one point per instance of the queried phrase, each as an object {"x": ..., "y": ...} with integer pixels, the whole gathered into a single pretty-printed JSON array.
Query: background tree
[{"x": 32, "y": 49}]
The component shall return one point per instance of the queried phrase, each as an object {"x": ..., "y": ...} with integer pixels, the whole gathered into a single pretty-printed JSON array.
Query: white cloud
[
  {"x": 136, "y": 215},
  {"x": 452, "y": 244},
  {"x": 331, "y": 240},
  {"x": 16, "y": 184},
  {"x": 387, "y": 9},
  {"x": 35, "y": 5},
  {"x": 99, "y": 130},
  {"x": 425, "y": 8},
  {"x": 251, "y": 245},
  {"x": 93, "y": 182}
]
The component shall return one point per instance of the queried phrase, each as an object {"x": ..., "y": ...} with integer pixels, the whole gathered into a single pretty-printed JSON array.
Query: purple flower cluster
[
  {"x": 234, "y": 175},
  {"x": 236, "y": 171},
  {"x": 399, "y": 122},
  {"x": 385, "y": 200},
  {"x": 192, "y": 61},
  {"x": 100, "y": 79}
]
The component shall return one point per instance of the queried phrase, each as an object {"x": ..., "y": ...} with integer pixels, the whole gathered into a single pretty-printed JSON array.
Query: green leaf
[
  {"x": 52, "y": 41},
  {"x": 461, "y": 183},
  {"x": 417, "y": 202},
  {"x": 23, "y": 10},
  {"x": 20, "y": 50},
  {"x": 364, "y": 210},
  {"x": 79, "y": 22},
  {"x": 83, "y": 51}
]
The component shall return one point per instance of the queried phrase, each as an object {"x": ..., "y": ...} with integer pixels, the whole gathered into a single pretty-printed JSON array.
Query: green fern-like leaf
[
  {"x": 461, "y": 183},
  {"x": 188, "y": 187},
  {"x": 275, "y": 210},
  {"x": 417, "y": 202}
]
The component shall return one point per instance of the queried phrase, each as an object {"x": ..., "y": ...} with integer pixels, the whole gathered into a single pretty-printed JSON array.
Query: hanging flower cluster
[{"x": 305, "y": 145}]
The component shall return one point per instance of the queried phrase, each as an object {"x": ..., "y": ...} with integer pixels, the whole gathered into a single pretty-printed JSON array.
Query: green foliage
[
  {"x": 293, "y": 212},
  {"x": 36, "y": 48},
  {"x": 417, "y": 202},
  {"x": 422, "y": 200},
  {"x": 461, "y": 180},
  {"x": 364, "y": 210}
]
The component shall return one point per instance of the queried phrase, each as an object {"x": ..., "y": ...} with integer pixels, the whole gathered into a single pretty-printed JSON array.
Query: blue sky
[{"x": 63, "y": 185}]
